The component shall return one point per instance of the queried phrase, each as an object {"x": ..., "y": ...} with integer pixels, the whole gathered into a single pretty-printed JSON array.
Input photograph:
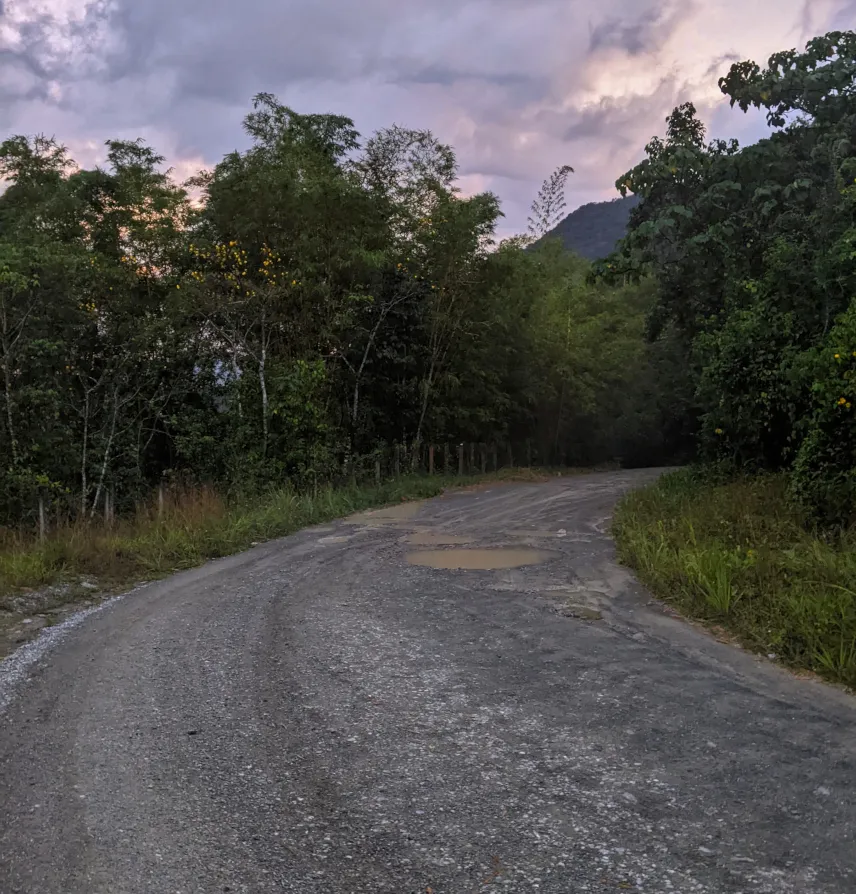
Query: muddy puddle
[{"x": 478, "y": 559}]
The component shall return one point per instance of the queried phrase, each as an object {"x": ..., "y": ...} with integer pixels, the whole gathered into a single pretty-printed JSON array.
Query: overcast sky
[{"x": 518, "y": 87}]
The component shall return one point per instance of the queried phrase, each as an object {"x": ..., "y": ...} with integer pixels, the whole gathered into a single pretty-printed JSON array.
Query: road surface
[{"x": 321, "y": 714}]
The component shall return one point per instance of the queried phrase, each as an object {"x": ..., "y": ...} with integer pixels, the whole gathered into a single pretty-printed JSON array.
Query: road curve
[{"x": 320, "y": 715}]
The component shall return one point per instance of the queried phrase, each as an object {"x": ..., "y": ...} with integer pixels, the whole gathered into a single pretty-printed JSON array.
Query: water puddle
[{"x": 478, "y": 559}]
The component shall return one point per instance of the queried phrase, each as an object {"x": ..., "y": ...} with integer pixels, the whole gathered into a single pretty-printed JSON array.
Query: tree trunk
[
  {"x": 7, "y": 382},
  {"x": 106, "y": 459},
  {"x": 559, "y": 420},
  {"x": 358, "y": 373},
  {"x": 426, "y": 392},
  {"x": 43, "y": 525},
  {"x": 355, "y": 409},
  {"x": 263, "y": 386},
  {"x": 237, "y": 384},
  {"x": 84, "y": 457}
]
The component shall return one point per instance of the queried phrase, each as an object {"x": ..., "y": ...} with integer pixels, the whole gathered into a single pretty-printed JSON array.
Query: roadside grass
[
  {"x": 195, "y": 526},
  {"x": 738, "y": 555}
]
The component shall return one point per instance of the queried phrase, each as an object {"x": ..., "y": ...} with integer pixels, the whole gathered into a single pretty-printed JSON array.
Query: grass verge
[
  {"x": 40, "y": 582},
  {"x": 738, "y": 555}
]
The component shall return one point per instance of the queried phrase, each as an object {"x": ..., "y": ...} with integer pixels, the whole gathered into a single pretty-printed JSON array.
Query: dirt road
[{"x": 350, "y": 710}]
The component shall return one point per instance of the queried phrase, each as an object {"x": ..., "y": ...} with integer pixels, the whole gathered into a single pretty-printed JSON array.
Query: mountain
[{"x": 593, "y": 230}]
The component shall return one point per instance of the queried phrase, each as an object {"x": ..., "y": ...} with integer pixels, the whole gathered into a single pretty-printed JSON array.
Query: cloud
[
  {"x": 645, "y": 33},
  {"x": 517, "y": 86}
]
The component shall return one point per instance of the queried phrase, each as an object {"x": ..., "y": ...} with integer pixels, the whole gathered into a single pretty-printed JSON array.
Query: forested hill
[{"x": 593, "y": 230}]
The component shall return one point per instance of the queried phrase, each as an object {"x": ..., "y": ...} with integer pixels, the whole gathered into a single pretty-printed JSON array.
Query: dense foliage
[
  {"x": 324, "y": 295},
  {"x": 754, "y": 253}
]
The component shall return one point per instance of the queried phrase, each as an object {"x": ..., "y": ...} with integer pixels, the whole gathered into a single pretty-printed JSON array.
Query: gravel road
[{"x": 322, "y": 715}]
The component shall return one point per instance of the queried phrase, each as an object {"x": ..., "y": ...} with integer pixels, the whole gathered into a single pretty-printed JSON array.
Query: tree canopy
[
  {"x": 753, "y": 250},
  {"x": 328, "y": 295}
]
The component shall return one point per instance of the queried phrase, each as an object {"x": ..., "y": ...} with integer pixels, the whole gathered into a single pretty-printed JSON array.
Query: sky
[{"x": 518, "y": 87}]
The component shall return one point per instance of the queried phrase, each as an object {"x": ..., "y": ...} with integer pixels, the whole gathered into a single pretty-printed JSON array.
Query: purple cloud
[{"x": 517, "y": 86}]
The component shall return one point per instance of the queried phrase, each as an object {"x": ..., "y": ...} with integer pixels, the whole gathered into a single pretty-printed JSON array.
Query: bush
[{"x": 824, "y": 473}]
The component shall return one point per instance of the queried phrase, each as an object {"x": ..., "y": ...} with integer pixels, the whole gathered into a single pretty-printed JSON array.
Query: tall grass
[{"x": 738, "y": 554}]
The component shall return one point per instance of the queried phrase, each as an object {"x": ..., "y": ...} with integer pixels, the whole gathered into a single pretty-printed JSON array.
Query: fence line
[{"x": 387, "y": 462}]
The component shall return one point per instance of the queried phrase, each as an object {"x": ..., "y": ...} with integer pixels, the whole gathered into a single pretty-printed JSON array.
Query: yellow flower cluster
[
  {"x": 270, "y": 262},
  {"x": 232, "y": 262}
]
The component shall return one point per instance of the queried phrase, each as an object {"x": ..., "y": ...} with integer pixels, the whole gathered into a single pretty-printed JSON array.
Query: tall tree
[{"x": 549, "y": 205}]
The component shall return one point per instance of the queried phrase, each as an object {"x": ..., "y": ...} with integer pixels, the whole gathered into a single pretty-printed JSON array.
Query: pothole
[
  {"x": 426, "y": 538},
  {"x": 581, "y": 612},
  {"x": 478, "y": 559},
  {"x": 386, "y": 516}
]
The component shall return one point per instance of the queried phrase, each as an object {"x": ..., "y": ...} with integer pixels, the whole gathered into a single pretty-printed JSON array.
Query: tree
[
  {"x": 752, "y": 250},
  {"x": 326, "y": 298},
  {"x": 549, "y": 205}
]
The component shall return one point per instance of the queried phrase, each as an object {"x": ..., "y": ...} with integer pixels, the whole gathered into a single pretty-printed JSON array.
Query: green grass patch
[{"x": 739, "y": 555}]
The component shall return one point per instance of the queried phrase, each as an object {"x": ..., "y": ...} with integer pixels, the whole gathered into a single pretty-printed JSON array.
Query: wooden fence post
[
  {"x": 472, "y": 464},
  {"x": 483, "y": 453},
  {"x": 397, "y": 462},
  {"x": 528, "y": 454},
  {"x": 431, "y": 460},
  {"x": 160, "y": 500},
  {"x": 460, "y": 459},
  {"x": 377, "y": 472}
]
